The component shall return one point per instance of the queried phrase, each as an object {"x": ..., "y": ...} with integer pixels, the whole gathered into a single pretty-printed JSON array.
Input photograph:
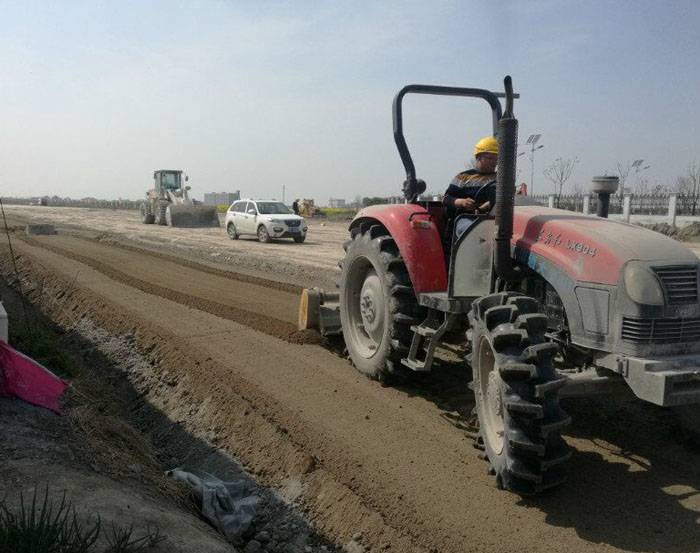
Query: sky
[{"x": 296, "y": 95}]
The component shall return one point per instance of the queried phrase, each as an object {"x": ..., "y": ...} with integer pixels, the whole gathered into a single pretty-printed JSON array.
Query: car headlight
[{"x": 642, "y": 285}]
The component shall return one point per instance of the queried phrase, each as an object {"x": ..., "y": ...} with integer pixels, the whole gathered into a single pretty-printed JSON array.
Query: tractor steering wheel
[{"x": 482, "y": 190}]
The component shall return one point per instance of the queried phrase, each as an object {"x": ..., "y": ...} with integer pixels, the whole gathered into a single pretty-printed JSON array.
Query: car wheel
[
  {"x": 231, "y": 231},
  {"x": 263, "y": 235},
  {"x": 300, "y": 239}
]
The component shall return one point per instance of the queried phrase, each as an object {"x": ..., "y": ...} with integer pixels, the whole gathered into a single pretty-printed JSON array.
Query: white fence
[{"x": 676, "y": 209}]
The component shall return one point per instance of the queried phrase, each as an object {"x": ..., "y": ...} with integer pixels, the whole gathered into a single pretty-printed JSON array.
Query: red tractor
[{"x": 551, "y": 302}]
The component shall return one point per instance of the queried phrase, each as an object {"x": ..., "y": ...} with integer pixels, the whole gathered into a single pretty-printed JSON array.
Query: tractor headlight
[{"x": 642, "y": 285}]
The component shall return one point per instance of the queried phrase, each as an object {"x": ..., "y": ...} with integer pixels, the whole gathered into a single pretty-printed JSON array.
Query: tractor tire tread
[
  {"x": 374, "y": 239},
  {"x": 160, "y": 212},
  {"x": 501, "y": 314},
  {"x": 533, "y": 454}
]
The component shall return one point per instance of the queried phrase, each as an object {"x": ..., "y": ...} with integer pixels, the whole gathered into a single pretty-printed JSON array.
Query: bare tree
[
  {"x": 660, "y": 189},
  {"x": 558, "y": 172},
  {"x": 623, "y": 171},
  {"x": 689, "y": 184},
  {"x": 643, "y": 187}
]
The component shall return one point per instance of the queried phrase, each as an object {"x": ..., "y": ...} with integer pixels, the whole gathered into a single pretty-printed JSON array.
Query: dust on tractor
[
  {"x": 169, "y": 203},
  {"x": 547, "y": 302}
]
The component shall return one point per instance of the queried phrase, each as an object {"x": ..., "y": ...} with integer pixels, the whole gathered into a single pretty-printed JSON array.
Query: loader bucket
[{"x": 192, "y": 216}]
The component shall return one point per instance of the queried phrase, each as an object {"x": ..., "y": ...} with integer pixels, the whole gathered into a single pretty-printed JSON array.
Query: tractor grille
[
  {"x": 554, "y": 309},
  {"x": 660, "y": 331},
  {"x": 292, "y": 222},
  {"x": 681, "y": 283}
]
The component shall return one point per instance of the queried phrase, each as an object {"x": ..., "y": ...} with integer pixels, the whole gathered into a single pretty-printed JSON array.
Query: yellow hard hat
[{"x": 487, "y": 145}]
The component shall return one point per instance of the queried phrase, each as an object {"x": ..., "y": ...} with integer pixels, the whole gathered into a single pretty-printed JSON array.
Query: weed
[
  {"x": 44, "y": 347},
  {"x": 46, "y": 526},
  {"x": 120, "y": 539}
]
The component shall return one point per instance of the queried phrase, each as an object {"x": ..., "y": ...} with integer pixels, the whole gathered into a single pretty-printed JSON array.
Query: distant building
[
  {"x": 221, "y": 198},
  {"x": 337, "y": 203}
]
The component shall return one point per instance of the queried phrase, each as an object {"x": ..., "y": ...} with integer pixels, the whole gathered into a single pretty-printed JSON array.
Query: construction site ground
[{"x": 370, "y": 467}]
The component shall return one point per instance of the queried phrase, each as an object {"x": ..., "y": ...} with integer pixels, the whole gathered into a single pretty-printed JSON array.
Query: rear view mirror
[
  {"x": 188, "y": 187},
  {"x": 251, "y": 211},
  {"x": 187, "y": 178}
]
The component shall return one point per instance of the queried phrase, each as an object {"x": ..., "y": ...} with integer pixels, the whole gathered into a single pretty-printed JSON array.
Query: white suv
[{"x": 266, "y": 219}]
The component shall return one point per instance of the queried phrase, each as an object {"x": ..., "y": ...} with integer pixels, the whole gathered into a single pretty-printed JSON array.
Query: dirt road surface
[
  {"x": 389, "y": 463},
  {"x": 287, "y": 261}
]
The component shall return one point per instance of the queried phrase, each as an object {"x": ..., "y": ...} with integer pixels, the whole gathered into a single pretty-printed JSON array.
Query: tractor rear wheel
[
  {"x": 515, "y": 388},
  {"x": 377, "y": 303},
  {"x": 159, "y": 215},
  {"x": 147, "y": 218}
]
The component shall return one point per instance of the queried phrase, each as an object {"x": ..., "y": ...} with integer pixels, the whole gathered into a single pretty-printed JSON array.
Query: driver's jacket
[{"x": 466, "y": 184}]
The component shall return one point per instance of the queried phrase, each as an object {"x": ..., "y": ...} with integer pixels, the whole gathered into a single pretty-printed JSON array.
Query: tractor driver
[{"x": 460, "y": 195}]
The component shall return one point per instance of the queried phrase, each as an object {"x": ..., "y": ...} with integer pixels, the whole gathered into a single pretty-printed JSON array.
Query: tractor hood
[{"x": 588, "y": 248}]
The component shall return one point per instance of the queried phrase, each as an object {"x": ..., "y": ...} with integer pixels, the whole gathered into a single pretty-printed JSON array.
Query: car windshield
[{"x": 273, "y": 208}]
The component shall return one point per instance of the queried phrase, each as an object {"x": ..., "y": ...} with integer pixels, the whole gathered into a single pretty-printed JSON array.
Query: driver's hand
[{"x": 465, "y": 203}]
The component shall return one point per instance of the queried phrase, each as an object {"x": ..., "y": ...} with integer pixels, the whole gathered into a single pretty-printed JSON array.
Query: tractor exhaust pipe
[{"x": 505, "y": 189}]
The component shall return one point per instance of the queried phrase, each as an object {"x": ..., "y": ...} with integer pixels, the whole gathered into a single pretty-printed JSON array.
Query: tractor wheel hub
[
  {"x": 494, "y": 395},
  {"x": 371, "y": 308}
]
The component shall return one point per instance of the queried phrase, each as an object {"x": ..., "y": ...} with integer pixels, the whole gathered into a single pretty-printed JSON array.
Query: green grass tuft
[{"x": 46, "y": 526}]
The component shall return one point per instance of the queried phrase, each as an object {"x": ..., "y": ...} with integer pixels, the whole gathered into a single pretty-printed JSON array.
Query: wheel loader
[
  {"x": 169, "y": 203},
  {"x": 547, "y": 302}
]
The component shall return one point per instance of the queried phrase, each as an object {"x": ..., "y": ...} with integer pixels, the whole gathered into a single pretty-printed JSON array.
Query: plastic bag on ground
[{"x": 224, "y": 504}]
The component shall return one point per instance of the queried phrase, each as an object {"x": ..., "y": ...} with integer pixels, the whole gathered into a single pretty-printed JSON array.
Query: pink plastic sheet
[{"x": 26, "y": 379}]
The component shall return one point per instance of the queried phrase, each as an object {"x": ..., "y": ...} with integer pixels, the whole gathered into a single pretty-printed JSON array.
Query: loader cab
[{"x": 171, "y": 180}]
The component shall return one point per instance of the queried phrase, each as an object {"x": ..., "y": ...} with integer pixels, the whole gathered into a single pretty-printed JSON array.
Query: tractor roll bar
[{"x": 411, "y": 187}]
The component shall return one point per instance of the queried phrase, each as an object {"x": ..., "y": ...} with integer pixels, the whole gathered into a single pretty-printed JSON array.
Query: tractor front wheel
[
  {"x": 515, "y": 388},
  {"x": 377, "y": 303}
]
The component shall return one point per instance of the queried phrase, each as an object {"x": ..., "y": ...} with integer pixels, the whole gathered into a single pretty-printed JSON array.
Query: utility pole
[
  {"x": 283, "y": 193},
  {"x": 532, "y": 140}
]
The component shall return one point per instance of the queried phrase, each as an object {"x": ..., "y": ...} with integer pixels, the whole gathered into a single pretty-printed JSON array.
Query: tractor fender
[{"x": 420, "y": 248}]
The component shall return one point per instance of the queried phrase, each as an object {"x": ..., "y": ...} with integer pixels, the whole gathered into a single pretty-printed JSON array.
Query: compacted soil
[{"x": 372, "y": 467}]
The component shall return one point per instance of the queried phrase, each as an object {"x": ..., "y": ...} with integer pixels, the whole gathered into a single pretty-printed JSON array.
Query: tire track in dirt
[
  {"x": 240, "y": 277},
  {"x": 237, "y": 417},
  {"x": 257, "y": 321}
]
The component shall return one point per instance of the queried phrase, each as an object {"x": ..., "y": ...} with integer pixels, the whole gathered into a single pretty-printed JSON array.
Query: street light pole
[{"x": 532, "y": 140}]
